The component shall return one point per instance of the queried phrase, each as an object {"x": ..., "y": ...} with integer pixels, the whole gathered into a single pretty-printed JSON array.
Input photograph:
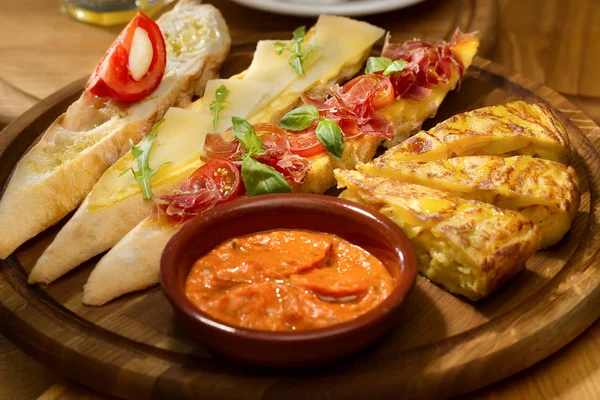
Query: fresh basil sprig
[
  {"x": 141, "y": 154},
  {"x": 297, "y": 57},
  {"x": 258, "y": 178},
  {"x": 262, "y": 179},
  {"x": 218, "y": 104},
  {"x": 245, "y": 134},
  {"x": 328, "y": 132},
  {"x": 376, "y": 64}
]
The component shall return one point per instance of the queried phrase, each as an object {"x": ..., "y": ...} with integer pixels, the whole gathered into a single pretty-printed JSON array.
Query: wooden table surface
[{"x": 555, "y": 42}]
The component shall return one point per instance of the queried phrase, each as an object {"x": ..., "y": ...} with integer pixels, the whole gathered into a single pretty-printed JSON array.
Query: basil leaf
[
  {"x": 245, "y": 134},
  {"x": 299, "y": 118},
  {"x": 376, "y": 64},
  {"x": 141, "y": 154},
  {"x": 330, "y": 134},
  {"x": 217, "y": 105},
  {"x": 262, "y": 179},
  {"x": 396, "y": 66}
]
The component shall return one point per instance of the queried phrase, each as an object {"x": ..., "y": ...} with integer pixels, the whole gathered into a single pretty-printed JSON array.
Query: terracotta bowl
[{"x": 368, "y": 229}]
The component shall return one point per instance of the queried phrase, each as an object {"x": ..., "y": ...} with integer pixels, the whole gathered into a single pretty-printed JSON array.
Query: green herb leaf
[
  {"x": 141, "y": 154},
  {"x": 262, "y": 179},
  {"x": 299, "y": 33},
  {"x": 294, "y": 47},
  {"x": 330, "y": 134},
  {"x": 376, "y": 64},
  {"x": 396, "y": 66},
  {"x": 299, "y": 118},
  {"x": 218, "y": 104},
  {"x": 245, "y": 134}
]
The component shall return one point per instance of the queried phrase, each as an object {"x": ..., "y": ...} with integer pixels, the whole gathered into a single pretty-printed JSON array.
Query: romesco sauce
[{"x": 287, "y": 280}]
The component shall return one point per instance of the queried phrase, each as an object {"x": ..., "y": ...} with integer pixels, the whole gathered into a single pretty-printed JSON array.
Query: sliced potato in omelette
[
  {"x": 469, "y": 247},
  {"x": 509, "y": 129},
  {"x": 544, "y": 191}
]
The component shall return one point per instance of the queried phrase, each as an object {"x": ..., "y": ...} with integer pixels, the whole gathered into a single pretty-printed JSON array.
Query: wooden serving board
[{"x": 442, "y": 345}]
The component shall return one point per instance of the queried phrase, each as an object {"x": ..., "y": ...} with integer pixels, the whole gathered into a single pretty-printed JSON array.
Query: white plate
[{"x": 311, "y": 8}]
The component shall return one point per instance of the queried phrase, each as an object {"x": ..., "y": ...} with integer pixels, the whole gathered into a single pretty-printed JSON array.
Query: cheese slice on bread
[
  {"x": 544, "y": 191},
  {"x": 54, "y": 177},
  {"x": 469, "y": 247},
  {"x": 265, "y": 91}
]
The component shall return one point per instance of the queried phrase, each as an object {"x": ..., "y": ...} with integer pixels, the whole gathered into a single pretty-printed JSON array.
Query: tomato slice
[
  {"x": 112, "y": 77},
  {"x": 385, "y": 91},
  {"x": 218, "y": 174},
  {"x": 305, "y": 144}
]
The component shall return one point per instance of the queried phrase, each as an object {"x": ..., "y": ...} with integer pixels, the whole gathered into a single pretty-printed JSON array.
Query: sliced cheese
[
  {"x": 339, "y": 43},
  {"x": 243, "y": 100},
  {"x": 180, "y": 139}
]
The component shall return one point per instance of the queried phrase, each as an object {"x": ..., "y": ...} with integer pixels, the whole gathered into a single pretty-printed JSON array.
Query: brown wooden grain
[
  {"x": 46, "y": 51},
  {"x": 443, "y": 345}
]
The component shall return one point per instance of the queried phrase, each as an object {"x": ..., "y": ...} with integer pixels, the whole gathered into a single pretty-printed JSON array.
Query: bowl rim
[{"x": 402, "y": 288}]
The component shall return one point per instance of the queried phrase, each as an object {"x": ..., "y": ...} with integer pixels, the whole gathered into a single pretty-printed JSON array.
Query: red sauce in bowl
[{"x": 287, "y": 280}]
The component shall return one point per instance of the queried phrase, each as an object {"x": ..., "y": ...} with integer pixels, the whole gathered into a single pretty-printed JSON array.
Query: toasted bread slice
[
  {"x": 509, "y": 129},
  {"x": 407, "y": 116},
  {"x": 255, "y": 94},
  {"x": 469, "y": 247},
  {"x": 544, "y": 191},
  {"x": 136, "y": 270},
  {"x": 57, "y": 173}
]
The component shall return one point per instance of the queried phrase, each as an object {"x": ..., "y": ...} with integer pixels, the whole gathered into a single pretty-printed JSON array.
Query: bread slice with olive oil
[
  {"x": 54, "y": 177},
  {"x": 262, "y": 93},
  {"x": 469, "y": 247}
]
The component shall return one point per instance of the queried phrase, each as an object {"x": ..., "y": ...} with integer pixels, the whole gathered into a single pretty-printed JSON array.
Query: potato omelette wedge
[
  {"x": 544, "y": 191},
  {"x": 469, "y": 247},
  {"x": 509, "y": 129}
]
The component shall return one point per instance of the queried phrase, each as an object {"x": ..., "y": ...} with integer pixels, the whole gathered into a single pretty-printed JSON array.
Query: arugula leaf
[
  {"x": 262, "y": 179},
  {"x": 376, "y": 64},
  {"x": 330, "y": 134},
  {"x": 299, "y": 118},
  {"x": 396, "y": 66},
  {"x": 299, "y": 33},
  {"x": 141, "y": 154},
  {"x": 245, "y": 134},
  {"x": 297, "y": 57},
  {"x": 218, "y": 104}
]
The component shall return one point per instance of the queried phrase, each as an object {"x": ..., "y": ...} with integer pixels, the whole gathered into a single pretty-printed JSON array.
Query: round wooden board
[{"x": 442, "y": 345}]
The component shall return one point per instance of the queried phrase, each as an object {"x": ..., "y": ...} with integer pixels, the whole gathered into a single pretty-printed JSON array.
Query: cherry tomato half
[
  {"x": 305, "y": 144},
  {"x": 217, "y": 174},
  {"x": 385, "y": 90},
  {"x": 112, "y": 77}
]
